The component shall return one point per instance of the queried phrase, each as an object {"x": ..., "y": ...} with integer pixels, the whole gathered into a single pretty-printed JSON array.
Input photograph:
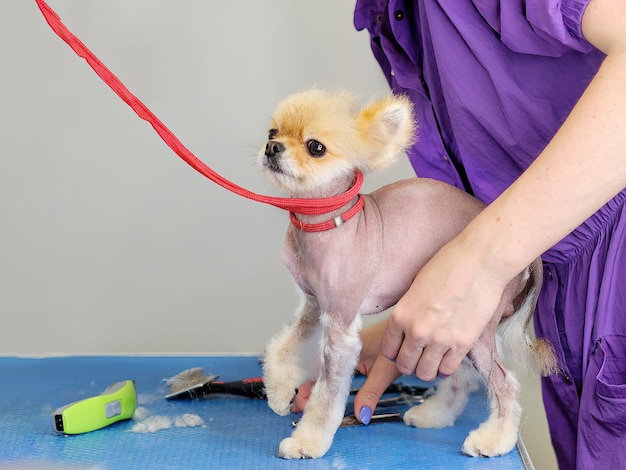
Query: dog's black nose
[{"x": 273, "y": 148}]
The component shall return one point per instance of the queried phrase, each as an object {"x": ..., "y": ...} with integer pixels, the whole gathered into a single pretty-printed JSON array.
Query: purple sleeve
[{"x": 540, "y": 27}]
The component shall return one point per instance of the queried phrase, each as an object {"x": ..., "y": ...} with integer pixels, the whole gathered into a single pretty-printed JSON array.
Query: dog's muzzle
[{"x": 273, "y": 150}]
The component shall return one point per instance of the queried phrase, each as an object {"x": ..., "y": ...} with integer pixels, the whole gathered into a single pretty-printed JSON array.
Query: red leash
[{"x": 293, "y": 205}]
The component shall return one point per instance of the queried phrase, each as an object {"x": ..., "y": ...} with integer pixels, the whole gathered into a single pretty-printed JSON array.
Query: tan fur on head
[
  {"x": 368, "y": 137},
  {"x": 387, "y": 129}
]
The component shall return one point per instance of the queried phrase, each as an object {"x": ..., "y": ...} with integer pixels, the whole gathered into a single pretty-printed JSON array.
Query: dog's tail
[{"x": 514, "y": 341}]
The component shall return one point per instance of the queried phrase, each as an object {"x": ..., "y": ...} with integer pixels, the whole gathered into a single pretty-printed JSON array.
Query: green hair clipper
[{"x": 116, "y": 403}]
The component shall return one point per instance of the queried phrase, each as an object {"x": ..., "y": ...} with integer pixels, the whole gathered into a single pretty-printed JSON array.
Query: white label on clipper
[{"x": 113, "y": 408}]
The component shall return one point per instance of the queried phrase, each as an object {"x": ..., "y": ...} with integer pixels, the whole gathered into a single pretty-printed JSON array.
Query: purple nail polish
[{"x": 365, "y": 415}]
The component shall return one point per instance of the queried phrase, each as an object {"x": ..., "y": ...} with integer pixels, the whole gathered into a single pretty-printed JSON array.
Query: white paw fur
[
  {"x": 304, "y": 445},
  {"x": 429, "y": 415},
  {"x": 282, "y": 374},
  {"x": 494, "y": 437},
  {"x": 442, "y": 409}
]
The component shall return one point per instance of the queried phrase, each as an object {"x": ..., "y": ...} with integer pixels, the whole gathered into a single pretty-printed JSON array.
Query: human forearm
[{"x": 582, "y": 168}]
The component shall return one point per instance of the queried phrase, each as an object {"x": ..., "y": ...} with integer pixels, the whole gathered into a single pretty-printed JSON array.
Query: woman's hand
[{"x": 441, "y": 316}]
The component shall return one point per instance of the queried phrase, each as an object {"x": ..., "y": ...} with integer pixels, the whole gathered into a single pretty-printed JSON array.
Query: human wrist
[{"x": 492, "y": 251}]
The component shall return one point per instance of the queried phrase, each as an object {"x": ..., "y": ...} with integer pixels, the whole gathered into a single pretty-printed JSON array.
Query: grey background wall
[{"x": 109, "y": 243}]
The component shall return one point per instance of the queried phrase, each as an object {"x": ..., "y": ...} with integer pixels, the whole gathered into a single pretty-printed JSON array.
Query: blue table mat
[{"x": 238, "y": 433}]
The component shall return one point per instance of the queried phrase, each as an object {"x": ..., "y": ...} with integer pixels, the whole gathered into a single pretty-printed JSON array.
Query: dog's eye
[
  {"x": 315, "y": 148},
  {"x": 271, "y": 134}
]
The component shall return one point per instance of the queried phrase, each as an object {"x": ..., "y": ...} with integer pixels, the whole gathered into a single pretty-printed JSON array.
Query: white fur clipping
[
  {"x": 188, "y": 420},
  {"x": 152, "y": 424}
]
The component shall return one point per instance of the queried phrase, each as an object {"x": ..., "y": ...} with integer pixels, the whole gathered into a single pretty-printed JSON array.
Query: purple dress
[{"x": 492, "y": 81}]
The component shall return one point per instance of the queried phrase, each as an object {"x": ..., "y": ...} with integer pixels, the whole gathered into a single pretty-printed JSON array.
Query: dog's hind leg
[
  {"x": 499, "y": 433},
  {"x": 442, "y": 409},
  {"x": 285, "y": 366},
  {"x": 324, "y": 411}
]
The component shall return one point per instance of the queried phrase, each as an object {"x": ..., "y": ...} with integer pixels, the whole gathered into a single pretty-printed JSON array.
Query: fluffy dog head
[{"x": 317, "y": 136}]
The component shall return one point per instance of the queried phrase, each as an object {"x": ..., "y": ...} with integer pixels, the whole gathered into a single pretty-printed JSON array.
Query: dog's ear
[{"x": 386, "y": 128}]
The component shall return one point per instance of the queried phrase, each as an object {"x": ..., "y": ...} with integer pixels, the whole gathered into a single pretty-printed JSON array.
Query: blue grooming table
[{"x": 238, "y": 433}]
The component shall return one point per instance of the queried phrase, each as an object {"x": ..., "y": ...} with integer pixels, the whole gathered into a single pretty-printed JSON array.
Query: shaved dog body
[{"x": 316, "y": 141}]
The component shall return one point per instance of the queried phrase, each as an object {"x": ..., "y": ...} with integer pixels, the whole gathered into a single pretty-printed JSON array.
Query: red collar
[
  {"x": 329, "y": 224},
  {"x": 325, "y": 205}
]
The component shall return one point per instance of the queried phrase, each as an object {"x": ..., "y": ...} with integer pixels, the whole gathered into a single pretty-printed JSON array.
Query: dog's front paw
[
  {"x": 281, "y": 381},
  {"x": 301, "y": 446},
  {"x": 489, "y": 442},
  {"x": 282, "y": 375},
  {"x": 429, "y": 415},
  {"x": 280, "y": 398}
]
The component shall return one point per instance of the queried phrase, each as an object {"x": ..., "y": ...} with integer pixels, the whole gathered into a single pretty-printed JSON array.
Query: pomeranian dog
[{"x": 364, "y": 263}]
